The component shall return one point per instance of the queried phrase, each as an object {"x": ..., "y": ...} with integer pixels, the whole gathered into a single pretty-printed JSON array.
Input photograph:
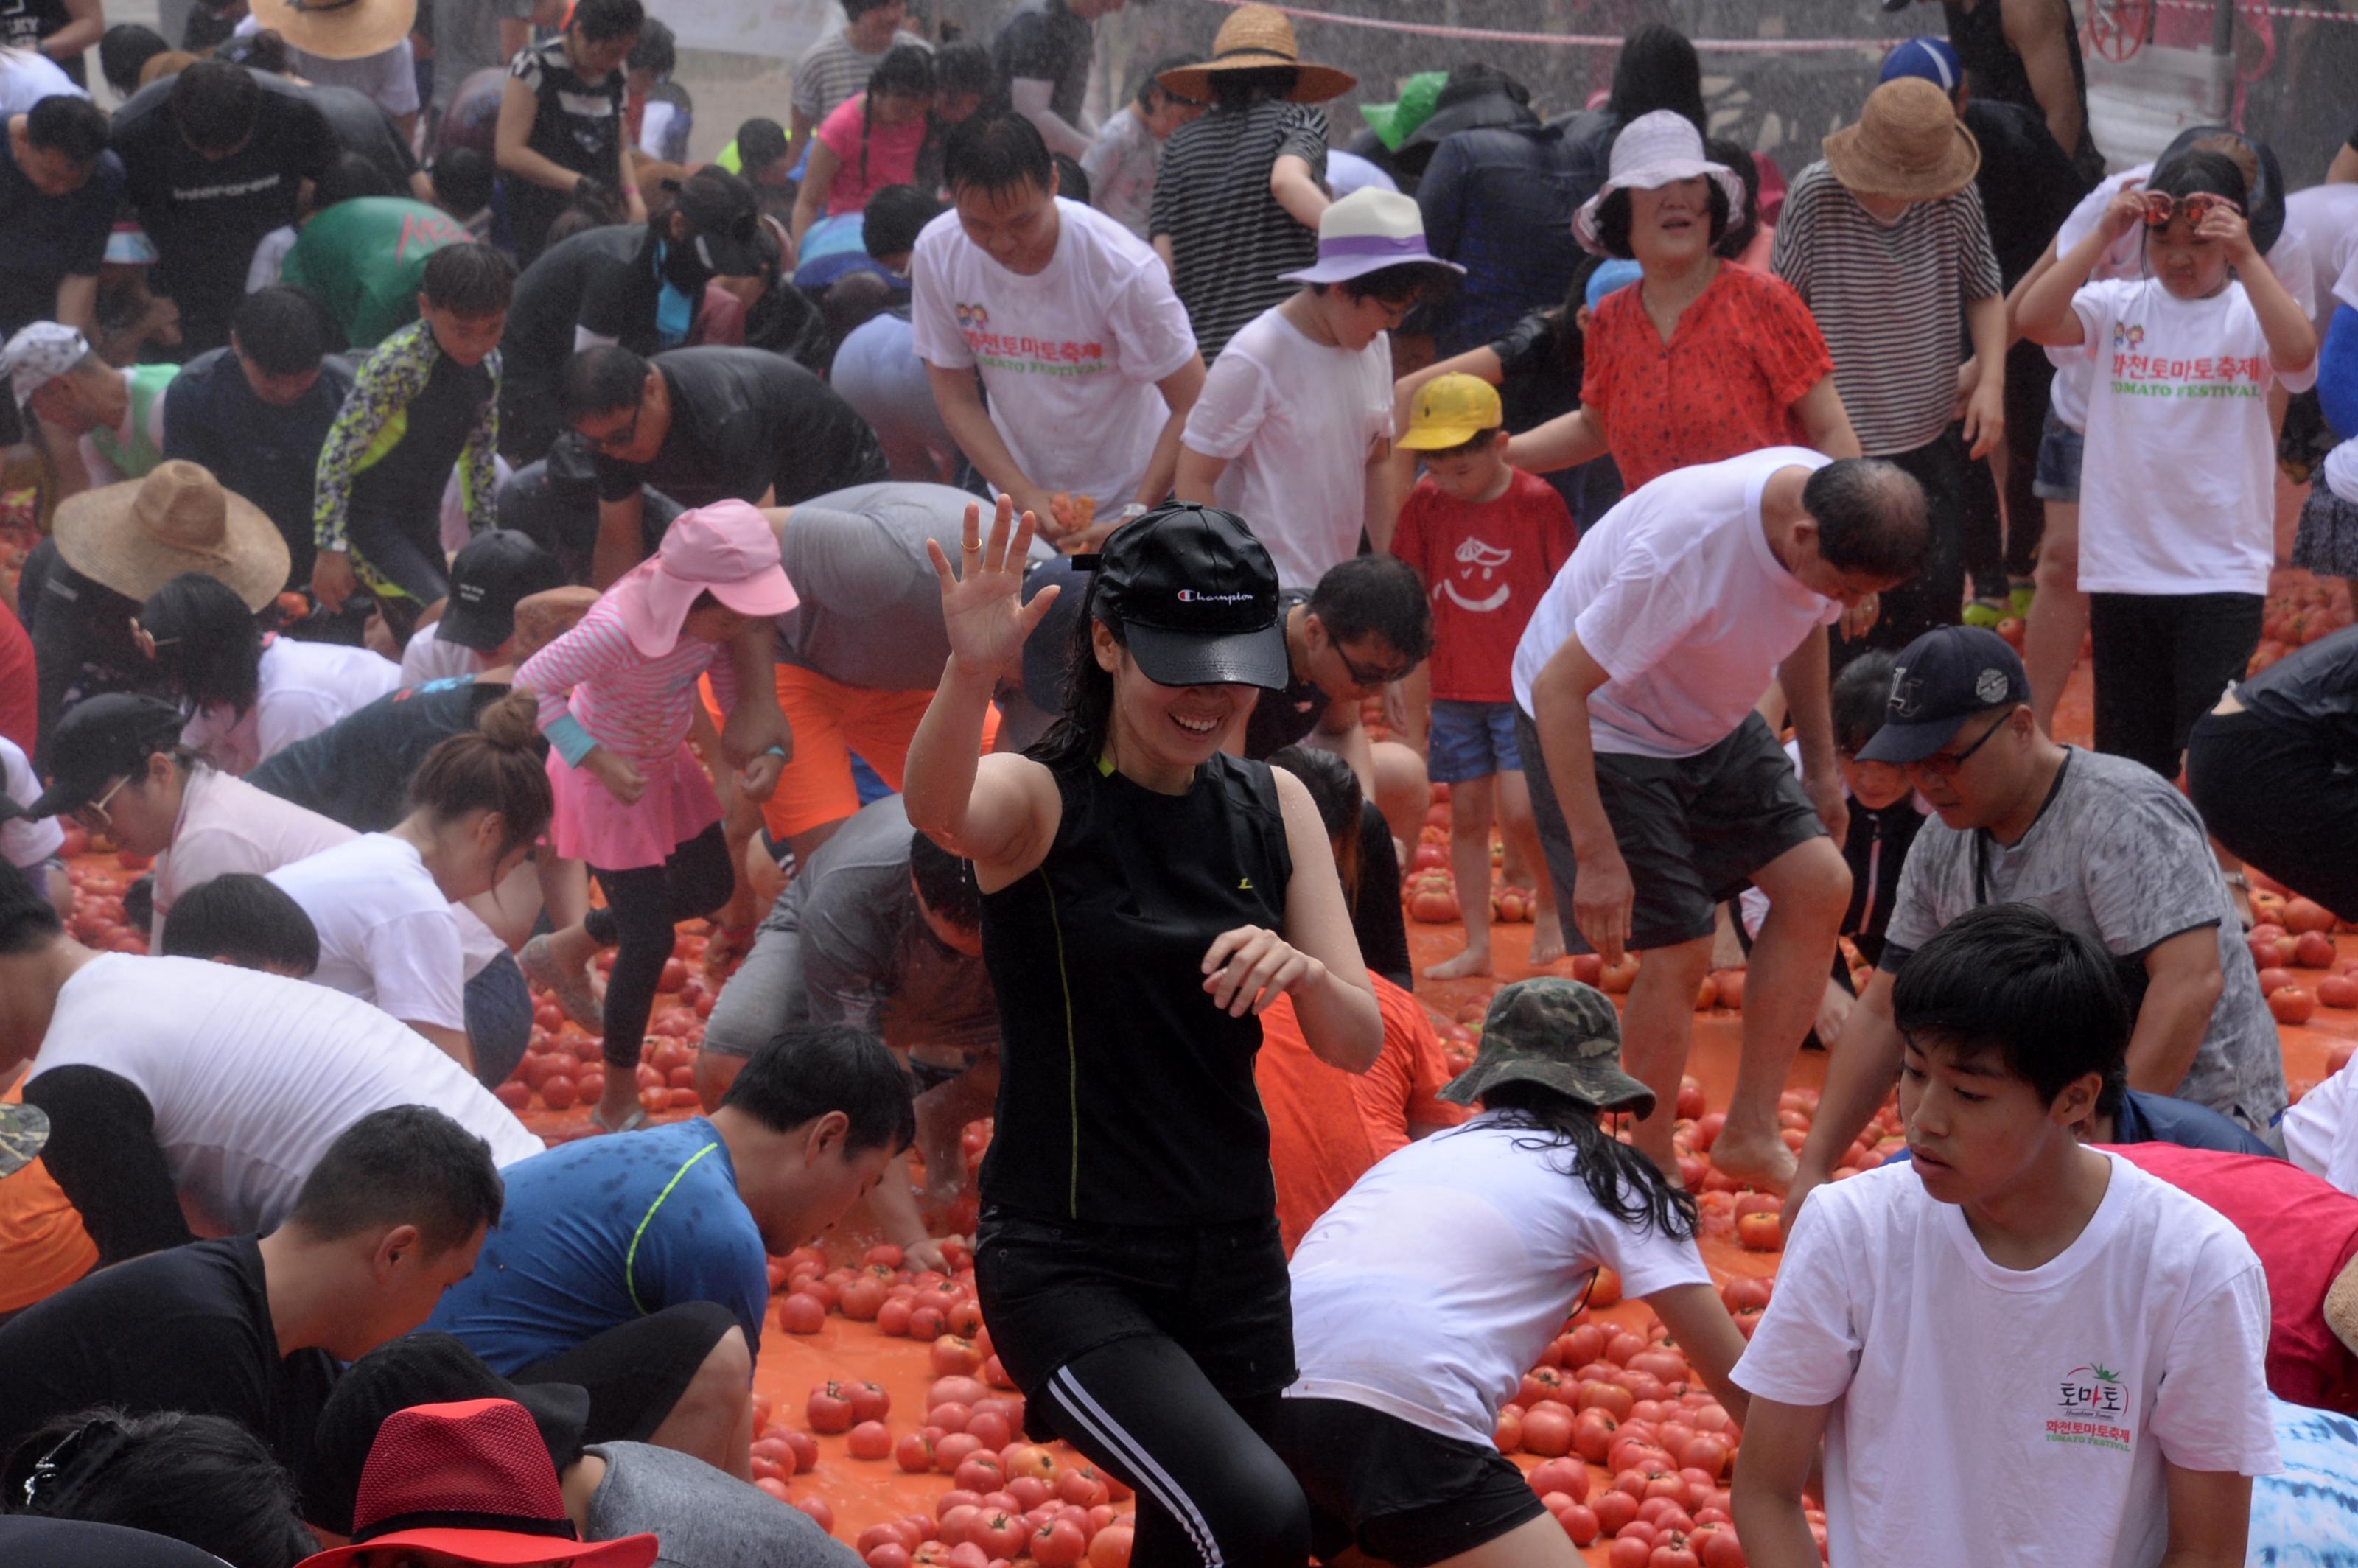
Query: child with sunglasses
[{"x": 2176, "y": 492}]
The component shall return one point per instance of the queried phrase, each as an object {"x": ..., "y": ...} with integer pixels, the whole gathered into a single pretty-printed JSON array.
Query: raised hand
[{"x": 982, "y": 603}]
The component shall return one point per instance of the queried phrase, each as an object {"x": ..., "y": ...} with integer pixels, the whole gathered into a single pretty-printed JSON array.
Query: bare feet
[
  {"x": 1472, "y": 961},
  {"x": 1547, "y": 938},
  {"x": 1761, "y": 1160}
]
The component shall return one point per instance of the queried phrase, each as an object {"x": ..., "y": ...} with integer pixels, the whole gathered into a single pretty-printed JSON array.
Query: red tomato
[
  {"x": 1081, "y": 1488},
  {"x": 962, "y": 1390},
  {"x": 1580, "y": 1524},
  {"x": 1547, "y": 1430},
  {"x": 1614, "y": 1509},
  {"x": 1722, "y": 1550},
  {"x": 886, "y": 1555},
  {"x": 953, "y": 1498},
  {"x": 828, "y": 1408},
  {"x": 1673, "y": 1552},
  {"x": 868, "y": 1401},
  {"x": 893, "y": 1318},
  {"x": 953, "y": 1354},
  {"x": 999, "y": 1535},
  {"x": 877, "y": 1535},
  {"x": 952, "y": 1449},
  {"x": 1761, "y": 1233},
  {"x": 1506, "y": 1432},
  {"x": 861, "y": 1300},
  {"x": 1029, "y": 1492},
  {"x": 1060, "y": 1545},
  {"x": 775, "y": 1487},
  {"x": 1110, "y": 1547},
  {"x": 1540, "y": 1383},
  {"x": 913, "y": 1453},
  {"x": 802, "y": 1312},
  {"x": 977, "y": 1473},
  {"x": 806, "y": 1449},
  {"x": 1708, "y": 1455},
  {"x": 2292, "y": 1004},
  {"x": 1606, "y": 1290},
  {"x": 1628, "y": 1551},
  {"x": 1610, "y": 1398},
  {"x": 994, "y": 1429},
  {"x": 884, "y": 1255},
  {"x": 871, "y": 1440},
  {"x": 1668, "y": 1366},
  {"x": 816, "y": 1508},
  {"x": 675, "y": 975},
  {"x": 1029, "y": 1459},
  {"x": 1569, "y": 1477}
]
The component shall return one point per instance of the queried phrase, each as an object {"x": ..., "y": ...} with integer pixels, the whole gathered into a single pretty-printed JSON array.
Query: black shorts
[
  {"x": 1054, "y": 1289},
  {"x": 1691, "y": 829},
  {"x": 1399, "y": 1493},
  {"x": 635, "y": 1373}
]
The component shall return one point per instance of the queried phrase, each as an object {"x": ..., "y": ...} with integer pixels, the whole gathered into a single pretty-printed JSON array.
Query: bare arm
[
  {"x": 2040, "y": 31},
  {"x": 1825, "y": 421},
  {"x": 1860, "y": 1071},
  {"x": 76, "y": 304},
  {"x": 2292, "y": 336},
  {"x": 2022, "y": 287},
  {"x": 451, "y": 1042},
  {"x": 2182, "y": 985},
  {"x": 1335, "y": 1003},
  {"x": 1030, "y": 97},
  {"x": 1483, "y": 363},
  {"x": 1180, "y": 389},
  {"x": 1698, "y": 1320},
  {"x": 519, "y": 107},
  {"x": 1603, "y": 894},
  {"x": 2345, "y": 168},
  {"x": 811, "y": 200},
  {"x": 619, "y": 545},
  {"x": 2044, "y": 313},
  {"x": 1806, "y": 682},
  {"x": 2210, "y": 1518},
  {"x": 959, "y": 395},
  {"x": 1985, "y": 409},
  {"x": 1565, "y": 441},
  {"x": 89, "y": 25},
  {"x": 1297, "y": 191},
  {"x": 1781, "y": 1444},
  {"x": 1381, "y": 502},
  {"x": 1197, "y": 473},
  {"x": 63, "y": 449}
]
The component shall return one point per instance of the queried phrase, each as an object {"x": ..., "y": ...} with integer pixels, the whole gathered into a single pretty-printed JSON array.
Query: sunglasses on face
[
  {"x": 1371, "y": 674},
  {"x": 2160, "y": 207},
  {"x": 615, "y": 441}
]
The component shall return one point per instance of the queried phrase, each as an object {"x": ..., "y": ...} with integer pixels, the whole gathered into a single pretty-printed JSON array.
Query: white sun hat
[{"x": 1654, "y": 150}]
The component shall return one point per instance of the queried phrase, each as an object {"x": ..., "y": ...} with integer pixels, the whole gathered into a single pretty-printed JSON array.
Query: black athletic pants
[
  {"x": 642, "y": 905},
  {"x": 2161, "y": 661},
  {"x": 2278, "y": 799}
]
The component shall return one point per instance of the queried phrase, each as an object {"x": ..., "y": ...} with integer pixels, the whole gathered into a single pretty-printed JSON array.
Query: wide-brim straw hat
[
  {"x": 1909, "y": 143},
  {"x": 338, "y": 29},
  {"x": 1256, "y": 37},
  {"x": 1655, "y": 149},
  {"x": 136, "y": 537}
]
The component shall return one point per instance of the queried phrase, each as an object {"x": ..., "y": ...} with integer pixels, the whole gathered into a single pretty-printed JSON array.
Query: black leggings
[
  {"x": 2279, "y": 799},
  {"x": 1212, "y": 1492},
  {"x": 2161, "y": 660},
  {"x": 642, "y": 905}
]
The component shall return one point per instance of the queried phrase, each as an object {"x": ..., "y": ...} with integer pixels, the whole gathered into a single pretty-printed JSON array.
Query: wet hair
[
  {"x": 407, "y": 1164},
  {"x": 122, "y": 50},
  {"x": 798, "y": 1075},
  {"x": 600, "y": 378},
  {"x": 463, "y": 181},
  {"x": 657, "y": 50},
  {"x": 1256, "y": 84},
  {"x": 215, "y": 106},
  {"x": 964, "y": 65},
  {"x": 1658, "y": 69},
  {"x": 1862, "y": 699},
  {"x": 497, "y": 766},
  {"x": 855, "y": 9},
  {"x": 262, "y": 50},
  {"x": 1870, "y": 515},
  {"x": 991, "y": 153},
  {"x": 1744, "y": 227},
  {"x": 851, "y": 302},
  {"x": 201, "y": 1480},
  {"x": 1334, "y": 790},
  {"x": 905, "y": 72},
  {"x": 1624, "y": 1183},
  {"x": 246, "y": 920},
  {"x": 28, "y": 922},
  {"x": 208, "y": 644},
  {"x": 760, "y": 142},
  {"x": 1375, "y": 596},
  {"x": 946, "y": 882},
  {"x": 1071, "y": 180},
  {"x": 585, "y": 212},
  {"x": 2199, "y": 170},
  {"x": 2007, "y": 978},
  {"x": 62, "y": 123},
  {"x": 602, "y": 21},
  {"x": 1403, "y": 283},
  {"x": 1079, "y": 732},
  {"x": 1151, "y": 83},
  {"x": 283, "y": 329},
  {"x": 349, "y": 177},
  {"x": 470, "y": 280},
  {"x": 894, "y": 218},
  {"x": 1613, "y": 219}
]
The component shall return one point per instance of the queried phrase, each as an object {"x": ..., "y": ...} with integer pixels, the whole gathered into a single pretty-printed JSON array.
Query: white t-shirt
[
  {"x": 1347, "y": 172},
  {"x": 27, "y": 77},
  {"x": 24, "y": 841},
  {"x": 1069, "y": 356},
  {"x": 387, "y": 934},
  {"x": 226, "y": 824},
  {"x": 1518, "y": 1238},
  {"x": 1297, "y": 422},
  {"x": 2178, "y": 486},
  {"x": 1121, "y": 164},
  {"x": 429, "y": 658},
  {"x": 252, "y": 1076},
  {"x": 2321, "y": 1136},
  {"x": 1676, "y": 593},
  {"x": 2327, "y": 216},
  {"x": 1984, "y": 1414},
  {"x": 305, "y": 687}
]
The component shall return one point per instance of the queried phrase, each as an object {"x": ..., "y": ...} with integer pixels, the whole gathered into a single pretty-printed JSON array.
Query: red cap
[{"x": 473, "y": 1480}]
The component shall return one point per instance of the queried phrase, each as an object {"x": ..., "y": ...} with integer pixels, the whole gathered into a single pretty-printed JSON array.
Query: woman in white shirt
[
  {"x": 1389, "y": 1427},
  {"x": 382, "y": 902},
  {"x": 249, "y": 695}
]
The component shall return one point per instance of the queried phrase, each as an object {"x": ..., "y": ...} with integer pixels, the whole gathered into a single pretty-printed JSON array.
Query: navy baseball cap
[
  {"x": 1935, "y": 60},
  {"x": 1939, "y": 681},
  {"x": 498, "y": 567}
]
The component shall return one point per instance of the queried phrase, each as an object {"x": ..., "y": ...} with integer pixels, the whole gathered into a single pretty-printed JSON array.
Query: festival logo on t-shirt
[
  {"x": 1478, "y": 565},
  {"x": 1032, "y": 356},
  {"x": 2136, "y": 373},
  {"x": 2092, "y": 1408}
]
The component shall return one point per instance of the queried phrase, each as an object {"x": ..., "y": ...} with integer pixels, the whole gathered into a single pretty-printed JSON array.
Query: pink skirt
[{"x": 592, "y": 825}]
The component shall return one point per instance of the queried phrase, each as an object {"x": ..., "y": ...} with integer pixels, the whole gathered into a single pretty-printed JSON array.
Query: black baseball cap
[
  {"x": 110, "y": 736},
  {"x": 727, "y": 219},
  {"x": 1939, "y": 681},
  {"x": 498, "y": 567},
  {"x": 1196, "y": 597}
]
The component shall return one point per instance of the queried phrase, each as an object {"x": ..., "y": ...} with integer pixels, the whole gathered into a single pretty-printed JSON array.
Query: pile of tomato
[
  {"x": 563, "y": 1064},
  {"x": 2296, "y": 933}
]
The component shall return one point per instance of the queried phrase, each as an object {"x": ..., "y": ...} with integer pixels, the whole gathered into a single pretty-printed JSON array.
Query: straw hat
[
  {"x": 1907, "y": 144},
  {"x": 136, "y": 537},
  {"x": 1257, "y": 38},
  {"x": 338, "y": 29}
]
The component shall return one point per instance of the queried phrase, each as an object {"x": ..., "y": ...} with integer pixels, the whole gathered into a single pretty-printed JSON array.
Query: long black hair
[
  {"x": 1624, "y": 1183},
  {"x": 208, "y": 644},
  {"x": 907, "y": 71},
  {"x": 1079, "y": 734}
]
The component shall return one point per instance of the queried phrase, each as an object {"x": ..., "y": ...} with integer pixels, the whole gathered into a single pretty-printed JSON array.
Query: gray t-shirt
[
  {"x": 702, "y": 1517},
  {"x": 467, "y": 39},
  {"x": 866, "y": 955},
  {"x": 870, "y": 615},
  {"x": 2119, "y": 856}
]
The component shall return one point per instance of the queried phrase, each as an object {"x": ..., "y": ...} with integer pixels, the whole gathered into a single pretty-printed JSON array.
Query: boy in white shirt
[
  {"x": 1294, "y": 431},
  {"x": 2013, "y": 1341}
]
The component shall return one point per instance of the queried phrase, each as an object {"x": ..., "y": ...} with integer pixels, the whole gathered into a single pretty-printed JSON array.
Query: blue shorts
[
  {"x": 2058, "y": 477},
  {"x": 1471, "y": 740}
]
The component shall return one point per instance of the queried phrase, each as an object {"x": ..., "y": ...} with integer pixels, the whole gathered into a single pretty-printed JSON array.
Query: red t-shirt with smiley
[{"x": 1484, "y": 566}]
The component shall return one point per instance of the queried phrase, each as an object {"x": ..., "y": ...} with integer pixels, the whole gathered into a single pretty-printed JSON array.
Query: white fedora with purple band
[{"x": 1367, "y": 231}]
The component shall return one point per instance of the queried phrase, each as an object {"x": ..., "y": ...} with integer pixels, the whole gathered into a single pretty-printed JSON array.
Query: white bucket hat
[
  {"x": 1654, "y": 150},
  {"x": 1366, "y": 232}
]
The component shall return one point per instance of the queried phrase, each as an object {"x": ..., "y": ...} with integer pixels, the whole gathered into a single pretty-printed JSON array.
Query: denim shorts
[
  {"x": 1471, "y": 740},
  {"x": 2060, "y": 447}
]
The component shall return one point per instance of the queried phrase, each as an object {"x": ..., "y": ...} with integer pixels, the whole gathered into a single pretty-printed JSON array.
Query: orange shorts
[
  {"x": 43, "y": 1247},
  {"x": 830, "y": 721}
]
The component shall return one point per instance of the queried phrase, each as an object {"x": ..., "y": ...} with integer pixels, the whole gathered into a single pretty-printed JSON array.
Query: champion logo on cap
[{"x": 1189, "y": 596}]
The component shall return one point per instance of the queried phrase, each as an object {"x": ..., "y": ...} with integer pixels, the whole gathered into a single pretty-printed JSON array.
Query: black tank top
[
  {"x": 1125, "y": 1096},
  {"x": 1995, "y": 71}
]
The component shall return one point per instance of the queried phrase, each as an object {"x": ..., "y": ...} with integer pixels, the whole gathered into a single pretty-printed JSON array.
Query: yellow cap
[{"x": 1450, "y": 410}]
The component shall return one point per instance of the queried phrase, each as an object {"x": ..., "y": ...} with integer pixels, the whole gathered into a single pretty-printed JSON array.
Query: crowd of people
[{"x": 1019, "y": 579}]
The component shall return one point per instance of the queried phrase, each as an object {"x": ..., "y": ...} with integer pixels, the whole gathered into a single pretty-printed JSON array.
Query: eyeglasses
[
  {"x": 1945, "y": 764},
  {"x": 615, "y": 441},
  {"x": 105, "y": 820},
  {"x": 1372, "y": 674},
  {"x": 2160, "y": 207}
]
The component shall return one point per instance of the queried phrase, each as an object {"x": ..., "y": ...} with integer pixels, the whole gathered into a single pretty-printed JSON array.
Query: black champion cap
[
  {"x": 1939, "y": 681},
  {"x": 1196, "y": 597}
]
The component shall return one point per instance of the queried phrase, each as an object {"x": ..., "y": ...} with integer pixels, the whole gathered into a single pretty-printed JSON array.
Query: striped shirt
[
  {"x": 832, "y": 71},
  {"x": 1890, "y": 300},
  {"x": 632, "y": 705},
  {"x": 1229, "y": 239}
]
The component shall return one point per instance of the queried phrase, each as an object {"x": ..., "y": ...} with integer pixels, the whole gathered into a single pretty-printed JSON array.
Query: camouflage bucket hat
[
  {"x": 1557, "y": 1033},
  {"x": 23, "y": 1129}
]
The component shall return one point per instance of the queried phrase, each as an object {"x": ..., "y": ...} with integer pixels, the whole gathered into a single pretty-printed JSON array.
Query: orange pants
[{"x": 830, "y": 721}]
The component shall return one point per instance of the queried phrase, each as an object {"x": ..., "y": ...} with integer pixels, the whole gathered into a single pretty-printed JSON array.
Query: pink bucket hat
[{"x": 728, "y": 548}]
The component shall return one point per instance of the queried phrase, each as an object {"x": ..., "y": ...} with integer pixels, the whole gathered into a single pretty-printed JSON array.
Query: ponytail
[
  {"x": 496, "y": 767},
  {"x": 1624, "y": 1183}
]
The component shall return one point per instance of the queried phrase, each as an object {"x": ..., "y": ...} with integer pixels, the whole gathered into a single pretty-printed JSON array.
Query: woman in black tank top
[{"x": 1140, "y": 906}]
